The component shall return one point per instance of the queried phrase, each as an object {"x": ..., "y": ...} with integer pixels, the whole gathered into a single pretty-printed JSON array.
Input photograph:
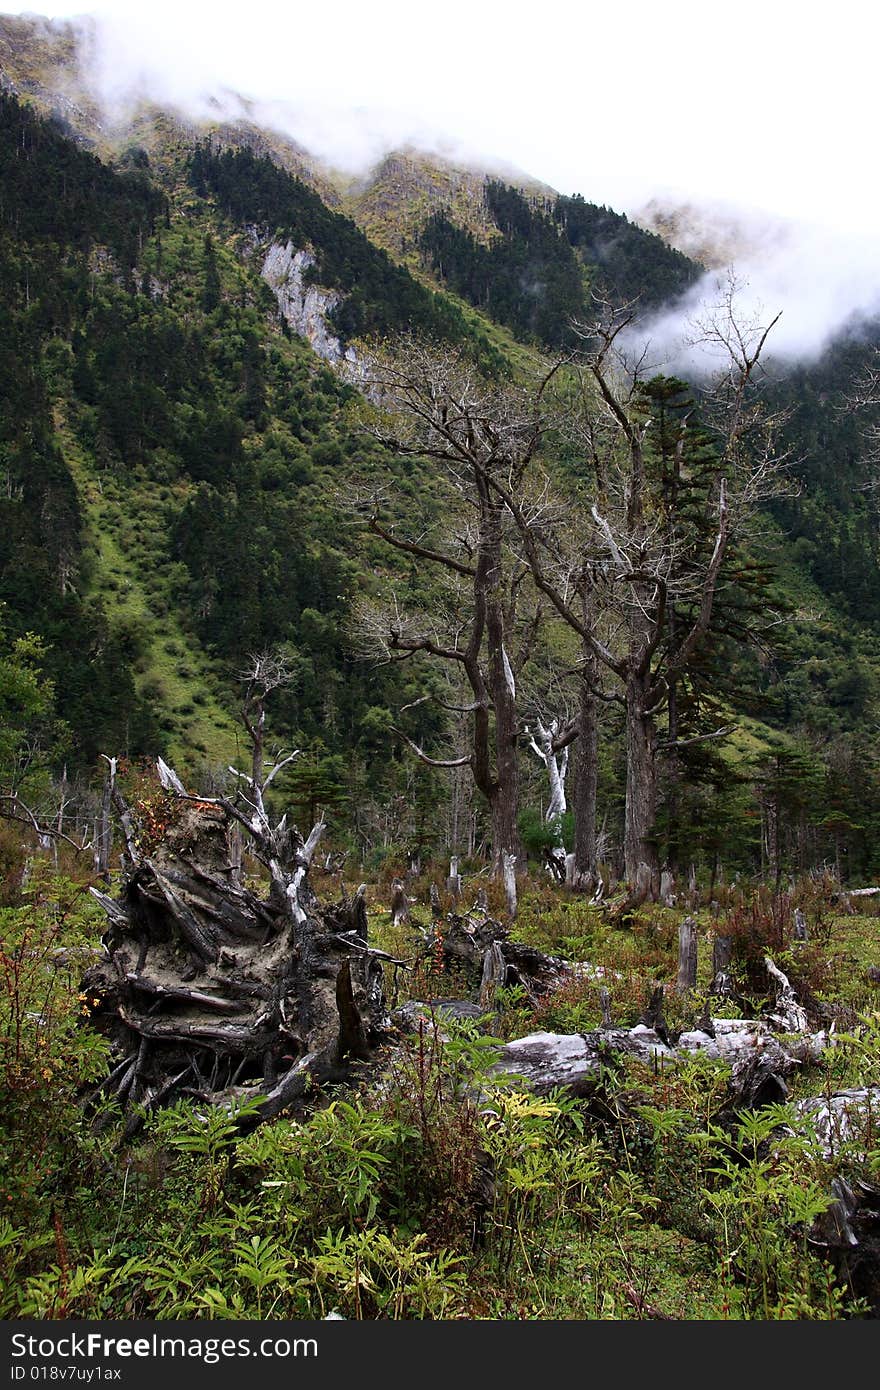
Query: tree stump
[
  {"x": 687, "y": 955},
  {"x": 211, "y": 990},
  {"x": 399, "y": 903}
]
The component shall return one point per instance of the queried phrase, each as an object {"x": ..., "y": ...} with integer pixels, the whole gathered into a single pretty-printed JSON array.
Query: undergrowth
[{"x": 437, "y": 1191}]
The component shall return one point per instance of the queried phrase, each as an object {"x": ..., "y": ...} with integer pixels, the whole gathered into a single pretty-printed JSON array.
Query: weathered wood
[
  {"x": 494, "y": 971},
  {"x": 556, "y": 863},
  {"x": 104, "y": 836},
  {"x": 547, "y": 1060},
  {"x": 399, "y": 903},
  {"x": 279, "y": 978},
  {"x": 352, "y": 1040},
  {"x": 453, "y": 882},
  {"x": 722, "y": 949},
  {"x": 848, "y": 1232},
  {"x": 350, "y": 914},
  {"x": 605, "y": 1005},
  {"x": 800, "y": 925},
  {"x": 415, "y": 1013},
  {"x": 687, "y": 955},
  {"x": 667, "y": 888},
  {"x": 236, "y": 855},
  {"x": 789, "y": 1014},
  {"x": 117, "y": 915},
  {"x": 202, "y": 940},
  {"x": 482, "y": 947},
  {"x": 652, "y": 1015},
  {"x": 534, "y": 971},
  {"x": 847, "y": 1120},
  {"x": 575, "y": 1061},
  {"x": 508, "y": 873},
  {"x": 186, "y": 996}
]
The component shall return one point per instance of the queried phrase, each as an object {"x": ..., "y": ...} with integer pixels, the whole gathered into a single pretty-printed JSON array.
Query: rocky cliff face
[{"x": 305, "y": 308}]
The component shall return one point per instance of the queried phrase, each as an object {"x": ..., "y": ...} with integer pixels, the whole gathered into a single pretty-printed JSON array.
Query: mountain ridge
[{"x": 176, "y": 453}]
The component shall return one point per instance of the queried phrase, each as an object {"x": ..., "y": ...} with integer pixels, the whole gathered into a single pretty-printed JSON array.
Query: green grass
[{"x": 124, "y": 527}]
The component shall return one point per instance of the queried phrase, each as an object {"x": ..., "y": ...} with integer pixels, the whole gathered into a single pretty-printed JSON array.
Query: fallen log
[
  {"x": 409, "y": 1017},
  {"x": 544, "y": 1061},
  {"x": 846, "y": 1125}
]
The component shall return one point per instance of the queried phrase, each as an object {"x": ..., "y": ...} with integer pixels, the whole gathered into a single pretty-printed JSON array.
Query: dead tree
[
  {"x": 722, "y": 950},
  {"x": 687, "y": 956},
  {"x": 641, "y": 551},
  {"x": 552, "y": 744},
  {"x": 453, "y": 881},
  {"x": 209, "y": 989},
  {"x": 476, "y": 948},
  {"x": 435, "y": 406},
  {"x": 864, "y": 399},
  {"x": 399, "y": 903}
]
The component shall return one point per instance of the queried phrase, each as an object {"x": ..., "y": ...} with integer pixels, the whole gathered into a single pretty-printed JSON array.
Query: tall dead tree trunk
[
  {"x": 583, "y": 872},
  {"x": 552, "y": 747},
  {"x": 640, "y": 815},
  {"x": 436, "y": 408},
  {"x": 687, "y": 956}
]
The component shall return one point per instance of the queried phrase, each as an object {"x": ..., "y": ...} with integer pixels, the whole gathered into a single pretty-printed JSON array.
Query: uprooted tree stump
[
  {"x": 477, "y": 948},
  {"x": 210, "y": 990}
]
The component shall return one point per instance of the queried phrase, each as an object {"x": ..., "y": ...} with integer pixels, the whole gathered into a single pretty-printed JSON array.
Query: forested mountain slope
[{"x": 178, "y": 462}]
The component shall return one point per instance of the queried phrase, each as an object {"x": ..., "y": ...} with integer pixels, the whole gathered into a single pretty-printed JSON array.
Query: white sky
[{"x": 768, "y": 104}]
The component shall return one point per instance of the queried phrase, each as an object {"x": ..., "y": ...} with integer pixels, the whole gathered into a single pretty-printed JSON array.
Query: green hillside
[
  {"x": 178, "y": 465},
  {"x": 548, "y": 258},
  {"x": 494, "y": 949}
]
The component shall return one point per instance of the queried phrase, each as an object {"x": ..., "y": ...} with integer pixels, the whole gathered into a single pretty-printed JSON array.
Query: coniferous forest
[{"x": 439, "y": 798}]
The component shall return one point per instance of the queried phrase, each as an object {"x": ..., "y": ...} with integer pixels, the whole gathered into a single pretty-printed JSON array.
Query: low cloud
[
  {"x": 349, "y": 103},
  {"x": 823, "y": 282}
]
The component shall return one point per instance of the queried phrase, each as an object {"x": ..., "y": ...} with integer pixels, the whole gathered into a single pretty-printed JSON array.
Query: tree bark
[
  {"x": 687, "y": 955},
  {"x": 504, "y": 796},
  {"x": 209, "y": 990},
  {"x": 584, "y": 869},
  {"x": 722, "y": 949},
  {"x": 639, "y": 845}
]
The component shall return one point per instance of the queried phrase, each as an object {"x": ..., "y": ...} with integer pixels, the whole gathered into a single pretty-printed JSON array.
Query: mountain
[
  {"x": 185, "y": 306},
  {"x": 714, "y": 235},
  {"x": 464, "y": 229},
  {"x": 395, "y": 200}
]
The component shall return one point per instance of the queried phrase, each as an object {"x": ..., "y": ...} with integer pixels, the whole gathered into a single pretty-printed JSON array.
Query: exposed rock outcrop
[{"x": 305, "y": 308}]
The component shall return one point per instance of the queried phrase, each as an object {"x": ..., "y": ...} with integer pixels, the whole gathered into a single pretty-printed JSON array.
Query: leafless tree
[
  {"x": 864, "y": 397},
  {"x": 633, "y": 546},
  {"x": 551, "y": 743},
  {"x": 433, "y": 404}
]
